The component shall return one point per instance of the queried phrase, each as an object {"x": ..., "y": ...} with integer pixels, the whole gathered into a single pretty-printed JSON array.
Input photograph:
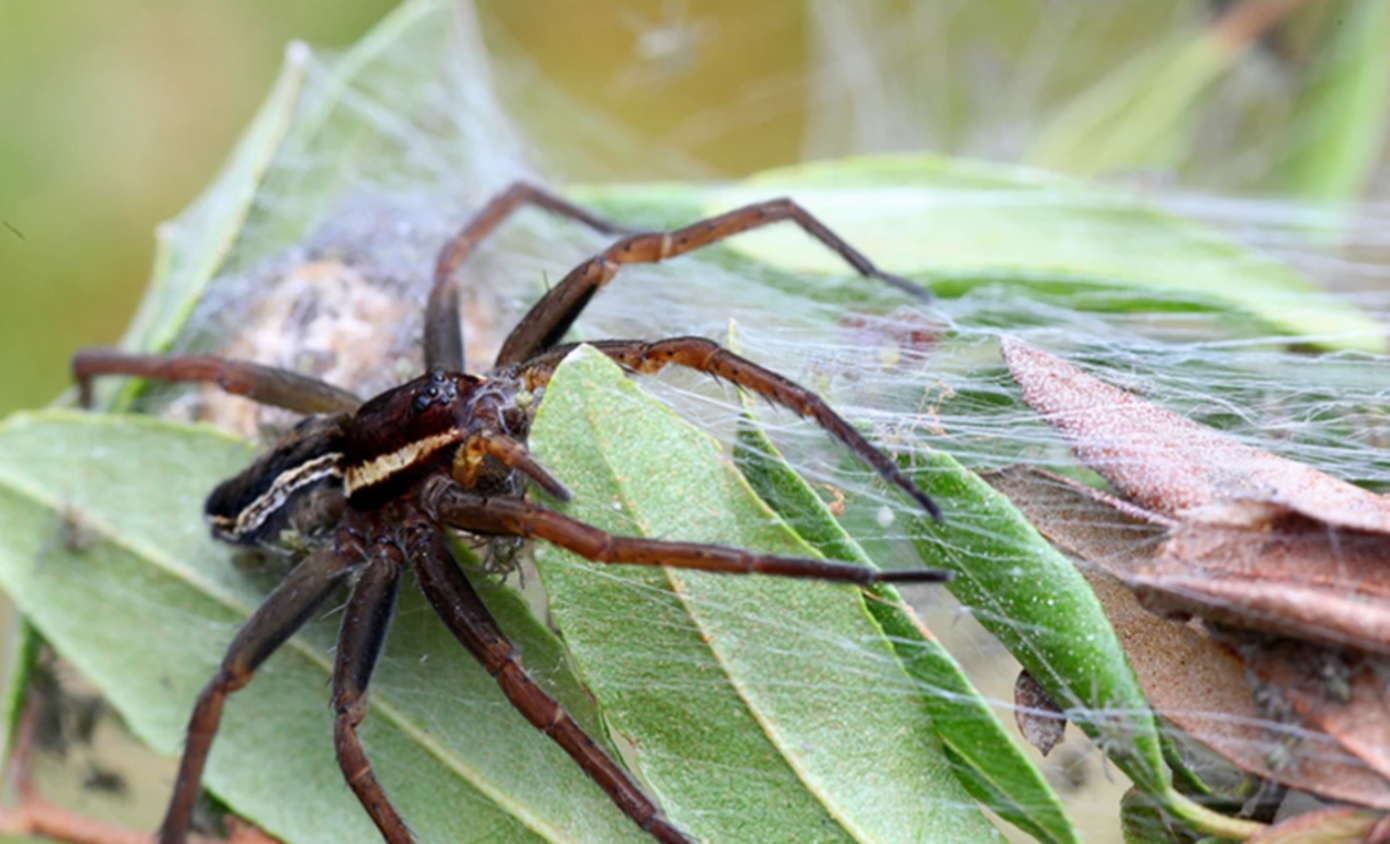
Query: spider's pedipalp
[{"x": 510, "y": 453}]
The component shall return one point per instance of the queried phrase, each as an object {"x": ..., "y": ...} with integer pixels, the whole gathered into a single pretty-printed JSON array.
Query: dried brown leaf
[
  {"x": 1039, "y": 718},
  {"x": 1254, "y": 540},
  {"x": 1333, "y": 825},
  {"x": 1197, "y": 683},
  {"x": 1341, "y": 694},
  {"x": 1170, "y": 465}
]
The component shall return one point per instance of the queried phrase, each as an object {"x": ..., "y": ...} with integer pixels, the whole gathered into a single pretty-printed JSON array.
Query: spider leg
[
  {"x": 552, "y": 316},
  {"x": 292, "y": 603},
  {"x": 365, "y": 622},
  {"x": 708, "y": 356},
  {"x": 510, "y": 453},
  {"x": 510, "y": 516},
  {"x": 459, "y": 606},
  {"x": 265, "y": 384},
  {"x": 443, "y": 333}
]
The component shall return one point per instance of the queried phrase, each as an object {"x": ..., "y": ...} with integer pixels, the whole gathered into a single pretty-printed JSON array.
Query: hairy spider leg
[
  {"x": 707, "y": 356},
  {"x": 458, "y": 605},
  {"x": 548, "y": 320},
  {"x": 510, "y": 453},
  {"x": 509, "y": 516},
  {"x": 360, "y": 639},
  {"x": 443, "y": 332},
  {"x": 265, "y": 384},
  {"x": 287, "y": 608}
]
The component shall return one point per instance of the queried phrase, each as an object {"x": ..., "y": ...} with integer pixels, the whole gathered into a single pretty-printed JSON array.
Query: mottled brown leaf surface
[
  {"x": 1290, "y": 575},
  {"x": 1334, "y": 825},
  {"x": 1340, "y": 693},
  {"x": 1168, "y": 464}
]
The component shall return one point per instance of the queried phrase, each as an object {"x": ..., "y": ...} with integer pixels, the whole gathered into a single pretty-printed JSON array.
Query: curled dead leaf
[
  {"x": 1333, "y": 825},
  {"x": 1194, "y": 681},
  {"x": 1041, "y": 721},
  {"x": 1253, "y": 540},
  {"x": 1168, "y": 464},
  {"x": 1283, "y": 571}
]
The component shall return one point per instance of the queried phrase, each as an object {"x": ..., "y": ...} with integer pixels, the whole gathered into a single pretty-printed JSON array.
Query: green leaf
[
  {"x": 984, "y": 756},
  {"x": 22, "y": 644},
  {"x": 341, "y": 135},
  {"x": 145, "y": 605},
  {"x": 1036, "y": 603},
  {"x": 961, "y": 224},
  {"x": 737, "y": 694},
  {"x": 1142, "y": 821},
  {"x": 304, "y": 148}
]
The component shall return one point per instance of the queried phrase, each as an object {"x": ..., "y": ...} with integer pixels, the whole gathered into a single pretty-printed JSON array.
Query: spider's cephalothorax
[{"x": 380, "y": 485}]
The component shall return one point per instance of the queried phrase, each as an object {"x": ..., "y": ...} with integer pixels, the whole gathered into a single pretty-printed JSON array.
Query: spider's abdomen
[
  {"x": 297, "y": 486},
  {"x": 398, "y": 437}
]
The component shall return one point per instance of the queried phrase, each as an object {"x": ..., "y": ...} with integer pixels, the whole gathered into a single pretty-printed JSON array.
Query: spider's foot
[
  {"x": 915, "y": 576},
  {"x": 911, "y": 288}
]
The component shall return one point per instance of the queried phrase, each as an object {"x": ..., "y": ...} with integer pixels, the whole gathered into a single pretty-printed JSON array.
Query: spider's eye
[{"x": 422, "y": 401}]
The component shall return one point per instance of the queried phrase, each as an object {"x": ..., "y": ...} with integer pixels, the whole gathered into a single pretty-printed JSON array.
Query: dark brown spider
[{"x": 383, "y": 482}]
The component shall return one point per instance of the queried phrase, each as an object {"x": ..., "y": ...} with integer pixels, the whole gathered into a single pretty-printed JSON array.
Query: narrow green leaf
[
  {"x": 759, "y": 709},
  {"x": 960, "y": 224},
  {"x": 302, "y": 149},
  {"x": 1340, "y": 117},
  {"x": 352, "y": 127},
  {"x": 984, "y": 756},
  {"x": 21, "y": 648},
  {"x": 146, "y": 604},
  {"x": 1035, "y": 602}
]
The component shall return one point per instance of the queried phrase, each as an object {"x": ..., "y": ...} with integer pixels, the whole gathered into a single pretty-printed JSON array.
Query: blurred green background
[{"x": 117, "y": 114}]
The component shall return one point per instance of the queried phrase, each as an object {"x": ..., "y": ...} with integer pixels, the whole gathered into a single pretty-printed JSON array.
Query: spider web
[{"x": 385, "y": 149}]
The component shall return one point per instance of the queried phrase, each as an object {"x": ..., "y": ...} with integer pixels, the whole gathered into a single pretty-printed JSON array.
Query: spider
[{"x": 380, "y": 485}]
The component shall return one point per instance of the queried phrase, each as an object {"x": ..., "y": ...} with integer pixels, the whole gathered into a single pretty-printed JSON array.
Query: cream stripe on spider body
[
  {"x": 251, "y": 517},
  {"x": 380, "y": 468}
]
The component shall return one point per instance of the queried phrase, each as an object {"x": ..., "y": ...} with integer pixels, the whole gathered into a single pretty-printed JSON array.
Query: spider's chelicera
[{"x": 382, "y": 484}]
